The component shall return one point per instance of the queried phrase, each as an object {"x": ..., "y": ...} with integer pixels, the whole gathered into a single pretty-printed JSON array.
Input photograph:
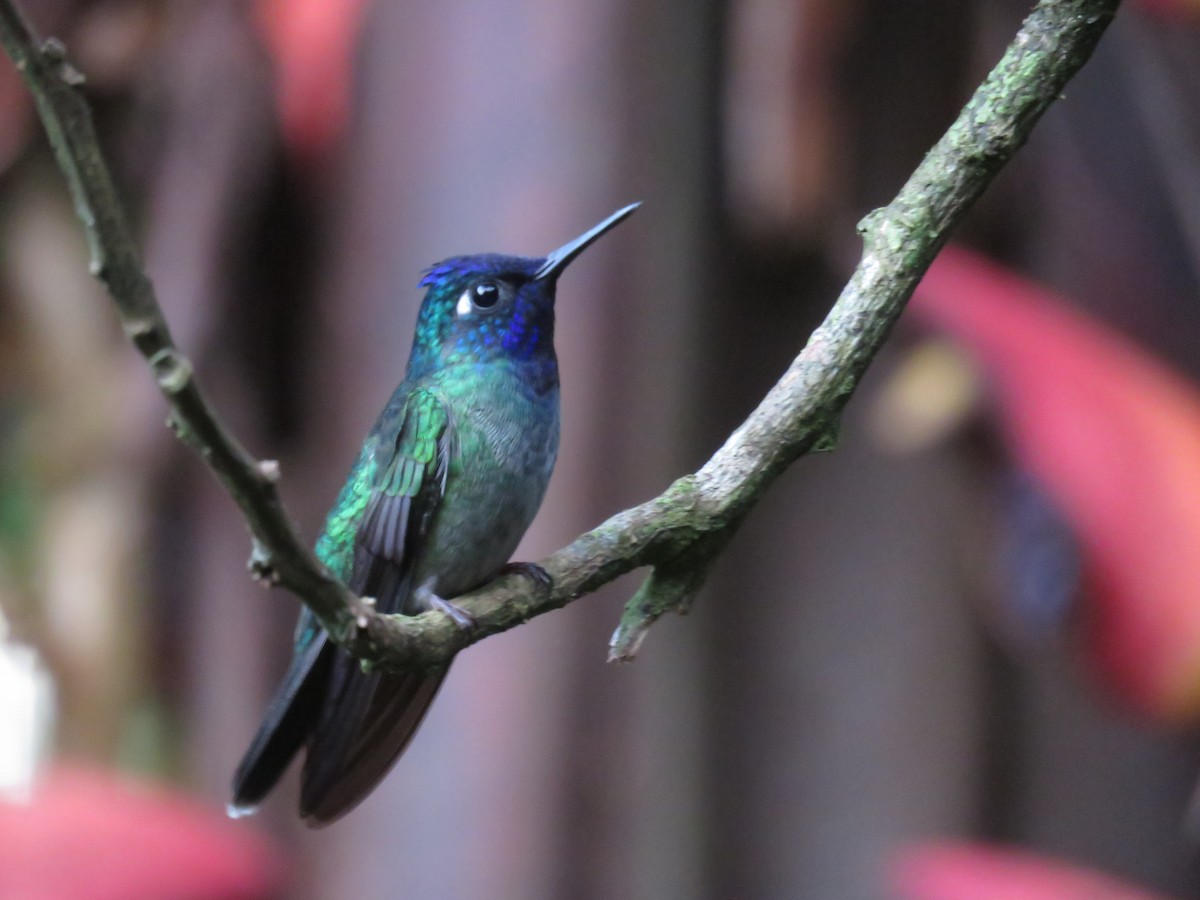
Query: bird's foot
[
  {"x": 427, "y": 599},
  {"x": 532, "y": 571},
  {"x": 457, "y": 614}
]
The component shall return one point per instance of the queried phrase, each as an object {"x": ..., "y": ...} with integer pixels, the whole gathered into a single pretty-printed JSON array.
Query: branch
[
  {"x": 679, "y": 533},
  {"x": 279, "y": 556}
]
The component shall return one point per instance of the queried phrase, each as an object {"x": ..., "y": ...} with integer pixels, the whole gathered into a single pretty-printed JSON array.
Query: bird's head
[{"x": 486, "y": 307}]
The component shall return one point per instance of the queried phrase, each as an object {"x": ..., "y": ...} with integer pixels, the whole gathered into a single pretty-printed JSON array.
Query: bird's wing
[
  {"x": 367, "y": 719},
  {"x": 408, "y": 484}
]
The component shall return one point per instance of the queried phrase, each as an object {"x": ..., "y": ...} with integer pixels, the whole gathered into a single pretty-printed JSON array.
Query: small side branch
[{"x": 677, "y": 534}]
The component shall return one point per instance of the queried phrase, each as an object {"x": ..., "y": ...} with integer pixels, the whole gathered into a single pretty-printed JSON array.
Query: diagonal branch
[
  {"x": 678, "y": 533},
  {"x": 280, "y": 556}
]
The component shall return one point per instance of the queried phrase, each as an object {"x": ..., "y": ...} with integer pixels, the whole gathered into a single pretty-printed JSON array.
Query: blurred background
[{"x": 927, "y": 635}]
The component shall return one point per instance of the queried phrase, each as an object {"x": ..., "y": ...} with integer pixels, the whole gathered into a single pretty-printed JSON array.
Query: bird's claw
[
  {"x": 427, "y": 599},
  {"x": 457, "y": 614}
]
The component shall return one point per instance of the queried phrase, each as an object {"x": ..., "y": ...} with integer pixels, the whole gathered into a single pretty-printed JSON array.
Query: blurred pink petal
[
  {"x": 91, "y": 835},
  {"x": 1113, "y": 437},
  {"x": 312, "y": 42},
  {"x": 16, "y": 110},
  {"x": 1180, "y": 11},
  {"x": 963, "y": 871}
]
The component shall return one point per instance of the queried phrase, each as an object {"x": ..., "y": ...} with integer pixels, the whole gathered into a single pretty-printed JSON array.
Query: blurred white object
[{"x": 27, "y": 714}]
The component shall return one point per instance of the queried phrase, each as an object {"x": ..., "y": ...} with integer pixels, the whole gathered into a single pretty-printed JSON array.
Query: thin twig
[
  {"x": 280, "y": 556},
  {"x": 679, "y": 532}
]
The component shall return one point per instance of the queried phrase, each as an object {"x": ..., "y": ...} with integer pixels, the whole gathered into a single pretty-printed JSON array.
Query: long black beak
[{"x": 561, "y": 258}]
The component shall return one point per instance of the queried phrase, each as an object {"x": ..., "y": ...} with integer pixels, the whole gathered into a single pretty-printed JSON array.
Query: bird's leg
[
  {"x": 425, "y": 596},
  {"x": 532, "y": 571}
]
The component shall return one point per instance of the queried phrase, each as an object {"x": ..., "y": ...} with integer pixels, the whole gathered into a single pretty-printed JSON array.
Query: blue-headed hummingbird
[{"x": 447, "y": 482}]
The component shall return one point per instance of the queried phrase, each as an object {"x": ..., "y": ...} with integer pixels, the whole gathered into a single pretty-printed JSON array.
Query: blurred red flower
[
  {"x": 1113, "y": 438},
  {"x": 1183, "y": 11},
  {"x": 312, "y": 43},
  {"x": 964, "y": 871},
  {"x": 91, "y": 835}
]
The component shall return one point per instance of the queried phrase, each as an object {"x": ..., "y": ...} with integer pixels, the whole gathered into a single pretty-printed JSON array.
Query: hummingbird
[{"x": 445, "y": 485}]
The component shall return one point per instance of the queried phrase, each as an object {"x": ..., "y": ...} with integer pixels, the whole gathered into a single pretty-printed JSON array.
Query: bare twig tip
[
  {"x": 269, "y": 469},
  {"x": 868, "y": 222},
  {"x": 624, "y": 645},
  {"x": 172, "y": 370},
  {"x": 71, "y": 75},
  {"x": 55, "y": 53},
  {"x": 261, "y": 568},
  {"x": 54, "y": 50}
]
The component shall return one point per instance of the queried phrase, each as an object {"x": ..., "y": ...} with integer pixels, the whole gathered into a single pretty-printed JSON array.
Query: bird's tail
[
  {"x": 290, "y": 718},
  {"x": 367, "y": 721}
]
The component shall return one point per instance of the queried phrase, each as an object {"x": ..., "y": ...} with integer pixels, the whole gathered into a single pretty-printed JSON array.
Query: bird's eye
[
  {"x": 480, "y": 297},
  {"x": 485, "y": 295}
]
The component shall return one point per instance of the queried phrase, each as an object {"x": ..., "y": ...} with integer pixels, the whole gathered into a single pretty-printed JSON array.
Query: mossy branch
[{"x": 678, "y": 533}]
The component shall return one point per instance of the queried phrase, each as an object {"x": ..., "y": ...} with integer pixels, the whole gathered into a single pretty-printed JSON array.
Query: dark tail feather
[
  {"x": 289, "y": 719},
  {"x": 367, "y": 722}
]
